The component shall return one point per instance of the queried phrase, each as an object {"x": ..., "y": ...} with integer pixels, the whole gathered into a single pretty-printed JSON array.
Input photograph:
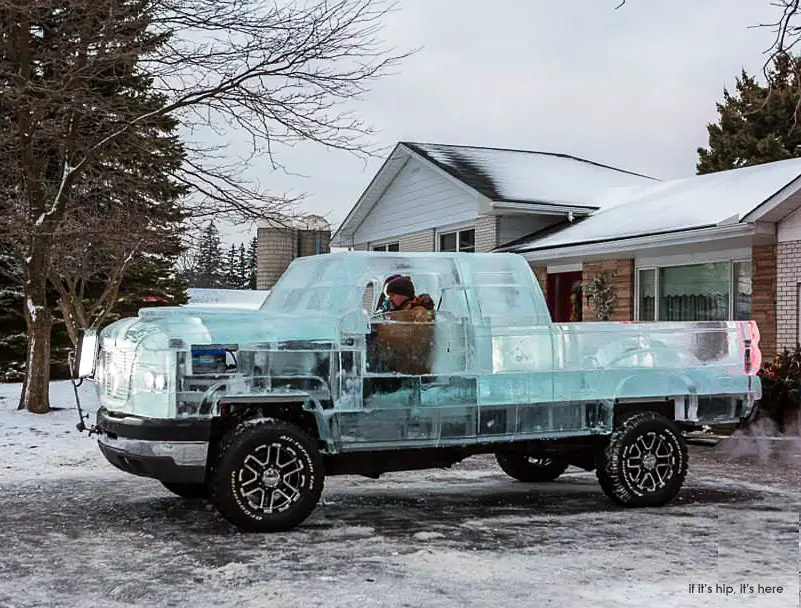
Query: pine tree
[
  {"x": 13, "y": 337},
  {"x": 210, "y": 270},
  {"x": 230, "y": 268},
  {"x": 757, "y": 123},
  {"x": 242, "y": 278},
  {"x": 125, "y": 225},
  {"x": 252, "y": 263}
]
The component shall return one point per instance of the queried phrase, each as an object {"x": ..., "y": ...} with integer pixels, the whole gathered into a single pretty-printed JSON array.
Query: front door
[{"x": 564, "y": 296}]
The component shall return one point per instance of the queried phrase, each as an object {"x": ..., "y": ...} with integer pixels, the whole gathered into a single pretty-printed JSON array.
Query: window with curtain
[
  {"x": 742, "y": 291},
  {"x": 647, "y": 295},
  {"x": 714, "y": 291},
  {"x": 694, "y": 293}
]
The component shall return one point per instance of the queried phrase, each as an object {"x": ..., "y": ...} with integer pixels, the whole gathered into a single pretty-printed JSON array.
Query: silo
[
  {"x": 314, "y": 236},
  {"x": 276, "y": 247}
]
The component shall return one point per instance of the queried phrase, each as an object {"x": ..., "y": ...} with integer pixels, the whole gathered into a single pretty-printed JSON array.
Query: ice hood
[{"x": 166, "y": 327}]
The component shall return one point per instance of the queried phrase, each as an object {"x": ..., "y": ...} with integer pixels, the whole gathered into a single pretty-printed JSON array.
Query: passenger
[{"x": 401, "y": 295}]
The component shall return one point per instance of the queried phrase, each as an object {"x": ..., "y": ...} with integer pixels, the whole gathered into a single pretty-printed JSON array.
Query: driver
[{"x": 401, "y": 295}]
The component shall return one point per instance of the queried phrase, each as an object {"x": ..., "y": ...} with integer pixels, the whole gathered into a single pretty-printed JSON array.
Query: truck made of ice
[{"x": 252, "y": 409}]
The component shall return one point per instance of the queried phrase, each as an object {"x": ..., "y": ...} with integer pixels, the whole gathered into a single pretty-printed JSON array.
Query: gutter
[
  {"x": 640, "y": 242},
  {"x": 544, "y": 208}
]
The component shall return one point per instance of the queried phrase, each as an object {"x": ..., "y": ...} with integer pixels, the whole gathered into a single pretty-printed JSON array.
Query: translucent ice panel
[
  {"x": 620, "y": 360},
  {"x": 505, "y": 289}
]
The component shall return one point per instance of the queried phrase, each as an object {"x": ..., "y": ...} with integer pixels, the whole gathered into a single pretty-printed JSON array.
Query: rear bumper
[{"x": 169, "y": 450}]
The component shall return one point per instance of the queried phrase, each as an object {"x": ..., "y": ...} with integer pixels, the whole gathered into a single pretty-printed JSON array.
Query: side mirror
[{"x": 86, "y": 353}]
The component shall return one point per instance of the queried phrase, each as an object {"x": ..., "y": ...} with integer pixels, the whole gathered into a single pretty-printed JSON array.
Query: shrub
[
  {"x": 781, "y": 385},
  {"x": 601, "y": 295}
]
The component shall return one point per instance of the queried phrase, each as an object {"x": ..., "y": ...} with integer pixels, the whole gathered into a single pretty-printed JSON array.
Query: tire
[
  {"x": 529, "y": 469},
  {"x": 644, "y": 463},
  {"x": 268, "y": 476},
  {"x": 187, "y": 490}
]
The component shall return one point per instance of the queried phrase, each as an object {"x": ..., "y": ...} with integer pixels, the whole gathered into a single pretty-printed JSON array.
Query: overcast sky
[{"x": 634, "y": 87}]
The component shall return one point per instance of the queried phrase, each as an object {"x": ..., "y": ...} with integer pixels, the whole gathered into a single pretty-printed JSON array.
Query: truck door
[{"x": 514, "y": 346}]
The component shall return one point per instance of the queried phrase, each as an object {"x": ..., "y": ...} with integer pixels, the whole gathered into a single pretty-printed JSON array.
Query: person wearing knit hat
[
  {"x": 402, "y": 296},
  {"x": 384, "y": 304},
  {"x": 398, "y": 288}
]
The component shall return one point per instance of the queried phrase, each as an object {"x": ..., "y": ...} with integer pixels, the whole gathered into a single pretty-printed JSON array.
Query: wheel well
[
  {"x": 232, "y": 414},
  {"x": 626, "y": 409}
]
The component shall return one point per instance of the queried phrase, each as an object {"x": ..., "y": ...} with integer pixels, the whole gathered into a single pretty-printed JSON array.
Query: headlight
[
  {"x": 148, "y": 379},
  {"x": 113, "y": 377},
  {"x": 159, "y": 382}
]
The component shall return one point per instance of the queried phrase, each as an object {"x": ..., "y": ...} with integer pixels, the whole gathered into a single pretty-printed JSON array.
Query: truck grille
[{"x": 122, "y": 360}]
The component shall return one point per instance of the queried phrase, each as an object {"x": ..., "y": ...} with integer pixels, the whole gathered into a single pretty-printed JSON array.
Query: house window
[
  {"x": 647, "y": 296},
  {"x": 387, "y": 247},
  {"x": 716, "y": 291},
  {"x": 458, "y": 240},
  {"x": 742, "y": 291}
]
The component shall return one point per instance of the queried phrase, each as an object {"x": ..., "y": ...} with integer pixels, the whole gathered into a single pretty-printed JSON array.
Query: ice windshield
[{"x": 320, "y": 283}]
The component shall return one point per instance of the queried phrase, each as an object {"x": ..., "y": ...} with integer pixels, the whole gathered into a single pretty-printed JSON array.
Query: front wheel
[
  {"x": 644, "y": 463},
  {"x": 528, "y": 468},
  {"x": 268, "y": 476}
]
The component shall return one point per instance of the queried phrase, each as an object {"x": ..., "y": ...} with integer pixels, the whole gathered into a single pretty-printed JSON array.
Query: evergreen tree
[
  {"x": 13, "y": 337},
  {"x": 757, "y": 123},
  {"x": 230, "y": 268},
  {"x": 242, "y": 277},
  {"x": 121, "y": 238},
  {"x": 151, "y": 281},
  {"x": 252, "y": 263},
  {"x": 210, "y": 272}
]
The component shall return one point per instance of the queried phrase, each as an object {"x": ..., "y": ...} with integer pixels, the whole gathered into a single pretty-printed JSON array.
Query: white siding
[
  {"x": 513, "y": 227},
  {"x": 790, "y": 228},
  {"x": 418, "y": 199}
]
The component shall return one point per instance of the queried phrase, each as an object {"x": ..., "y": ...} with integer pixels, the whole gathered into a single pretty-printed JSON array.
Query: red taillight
[{"x": 753, "y": 353}]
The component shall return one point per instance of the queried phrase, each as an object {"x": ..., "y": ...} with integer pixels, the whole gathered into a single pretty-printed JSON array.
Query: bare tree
[{"x": 280, "y": 73}]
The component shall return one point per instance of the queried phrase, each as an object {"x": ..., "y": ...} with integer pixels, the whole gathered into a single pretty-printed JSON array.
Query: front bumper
[{"x": 169, "y": 450}]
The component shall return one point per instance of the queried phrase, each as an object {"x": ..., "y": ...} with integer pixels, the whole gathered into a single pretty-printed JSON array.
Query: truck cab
[{"x": 252, "y": 409}]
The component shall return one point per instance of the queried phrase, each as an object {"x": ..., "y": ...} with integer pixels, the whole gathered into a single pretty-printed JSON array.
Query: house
[{"x": 710, "y": 247}]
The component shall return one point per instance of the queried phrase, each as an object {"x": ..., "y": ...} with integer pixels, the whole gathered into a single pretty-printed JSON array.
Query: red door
[{"x": 564, "y": 296}]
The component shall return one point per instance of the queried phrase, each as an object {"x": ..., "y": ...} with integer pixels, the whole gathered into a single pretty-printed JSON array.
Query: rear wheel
[
  {"x": 645, "y": 461},
  {"x": 187, "y": 490},
  {"x": 268, "y": 476},
  {"x": 529, "y": 468}
]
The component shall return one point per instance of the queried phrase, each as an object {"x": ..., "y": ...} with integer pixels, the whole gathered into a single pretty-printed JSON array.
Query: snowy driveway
[
  {"x": 74, "y": 532},
  {"x": 465, "y": 537}
]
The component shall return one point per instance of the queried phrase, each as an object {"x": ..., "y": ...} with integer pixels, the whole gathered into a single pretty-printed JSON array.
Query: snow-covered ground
[
  {"x": 76, "y": 532},
  {"x": 35, "y": 446}
]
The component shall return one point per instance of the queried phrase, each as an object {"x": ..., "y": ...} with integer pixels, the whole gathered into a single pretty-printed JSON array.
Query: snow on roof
[
  {"x": 669, "y": 206},
  {"x": 534, "y": 177}
]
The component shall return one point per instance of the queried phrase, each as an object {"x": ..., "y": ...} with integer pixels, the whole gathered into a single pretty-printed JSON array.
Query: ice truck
[{"x": 252, "y": 409}]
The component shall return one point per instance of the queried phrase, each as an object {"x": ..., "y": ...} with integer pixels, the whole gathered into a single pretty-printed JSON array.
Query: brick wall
[
  {"x": 487, "y": 228},
  {"x": 419, "y": 241},
  {"x": 623, "y": 284},
  {"x": 787, "y": 276},
  {"x": 541, "y": 272}
]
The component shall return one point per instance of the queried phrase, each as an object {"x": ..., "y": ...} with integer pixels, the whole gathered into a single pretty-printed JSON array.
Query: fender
[{"x": 293, "y": 406}]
